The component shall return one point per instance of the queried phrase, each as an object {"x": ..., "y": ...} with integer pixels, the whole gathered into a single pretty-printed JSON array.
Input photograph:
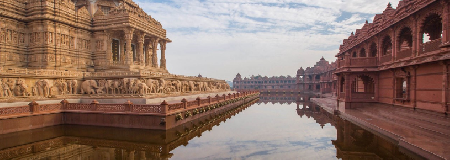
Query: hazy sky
[{"x": 219, "y": 38}]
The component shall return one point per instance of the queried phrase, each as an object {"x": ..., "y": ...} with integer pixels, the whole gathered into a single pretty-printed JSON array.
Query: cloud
[{"x": 219, "y": 38}]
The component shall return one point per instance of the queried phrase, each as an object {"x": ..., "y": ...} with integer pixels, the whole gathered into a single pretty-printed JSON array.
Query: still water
[{"x": 275, "y": 127}]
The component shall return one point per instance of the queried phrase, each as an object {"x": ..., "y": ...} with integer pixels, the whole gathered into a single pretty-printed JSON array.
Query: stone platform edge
[{"x": 378, "y": 131}]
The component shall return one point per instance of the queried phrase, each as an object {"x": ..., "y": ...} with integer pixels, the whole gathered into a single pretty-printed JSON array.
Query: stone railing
[
  {"x": 363, "y": 62},
  {"x": 385, "y": 58},
  {"x": 430, "y": 46},
  {"x": 404, "y": 53},
  {"x": 95, "y": 107}
]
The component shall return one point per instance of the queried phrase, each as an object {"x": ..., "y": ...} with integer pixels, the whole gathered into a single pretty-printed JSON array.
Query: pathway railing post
[
  {"x": 198, "y": 101},
  {"x": 34, "y": 107},
  {"x": 209, "y": 97},
  {"x": 218, "y": 98},
  {"x": 94, "y": 105},
  {"x": 164, "y": 107},
  {"x": 184, "y": 101},
  {"x": 128, "y": 106}
]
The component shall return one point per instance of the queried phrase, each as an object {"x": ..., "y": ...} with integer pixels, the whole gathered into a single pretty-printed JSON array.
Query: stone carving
[
  {"x": 73, "y": 85},
  {"x": 21, "y": 88},
  {"x": 43, "y": 88},
  {"x": 89, "y": 87},
  {"x": 62, "y": 86}
]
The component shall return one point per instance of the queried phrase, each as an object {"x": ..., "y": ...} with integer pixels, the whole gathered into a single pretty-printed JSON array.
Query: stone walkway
[{"x": 423, "y": 132}]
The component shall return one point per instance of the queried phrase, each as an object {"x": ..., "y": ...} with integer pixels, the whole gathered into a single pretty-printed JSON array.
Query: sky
[{"x": 220, "y": 38}]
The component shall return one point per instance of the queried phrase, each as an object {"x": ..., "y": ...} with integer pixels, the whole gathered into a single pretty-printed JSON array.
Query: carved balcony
[
  {"x": 364, "y": 62},
  {"x": 385, "y": 58},
  {"x": 430, "y": 46},
  {"x": 404, "y": 54}
]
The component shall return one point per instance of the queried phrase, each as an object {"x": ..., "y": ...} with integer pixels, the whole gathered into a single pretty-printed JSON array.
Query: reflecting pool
[{"x": 275, "y": 127}]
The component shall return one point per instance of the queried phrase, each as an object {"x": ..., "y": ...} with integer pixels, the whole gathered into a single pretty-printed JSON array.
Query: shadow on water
[{"x": 262, "y": 131}]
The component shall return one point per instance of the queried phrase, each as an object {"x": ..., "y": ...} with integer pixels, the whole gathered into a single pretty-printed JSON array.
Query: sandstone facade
[{"x": 52, "y": 48}]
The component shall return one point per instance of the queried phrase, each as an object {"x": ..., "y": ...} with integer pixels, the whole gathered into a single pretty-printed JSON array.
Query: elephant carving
[
  {"x": 89, "y": 87},
  {"x": 21, "y": 88},
  {"x": 73, "y": 85},
  {"x": 43, "y": 87}
]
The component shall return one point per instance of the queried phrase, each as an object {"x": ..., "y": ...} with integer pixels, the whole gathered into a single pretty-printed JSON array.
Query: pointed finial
[
  {"x": 352, "y": 34},
  {"x": 389, "y": 5},
  {"x": 367, "y": 21}
]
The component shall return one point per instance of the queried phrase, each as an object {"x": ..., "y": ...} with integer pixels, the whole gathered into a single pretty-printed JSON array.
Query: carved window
[
  {"x": 373, "y": 50},
  {"x": 105, "y": 10},
  {"x": 432, "y": 28},
  {"x": 115, "y": 49},
  {"x": 405, "y": 39},
  {"x": 354, "y": 54},
  {"x": 363, "y": 84},
  {"x": 362, "y": 53},
  {"x": 400, "y": 88},
  {"x": 387, "y": 45}
]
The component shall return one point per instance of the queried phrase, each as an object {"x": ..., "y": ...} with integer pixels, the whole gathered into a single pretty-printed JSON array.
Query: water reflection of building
[
  {"x": 354, "y": 142},
  {"x": 265, "y": 84},
  {"x": 89, "y": 142}
]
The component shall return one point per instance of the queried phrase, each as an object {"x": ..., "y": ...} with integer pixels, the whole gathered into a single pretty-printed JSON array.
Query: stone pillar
[
  {"x": 129, "y": 32},
  {"x": 122, "y": 54},
  {"x": 108, "y": 47},
  {"x": 154, "y": 43},
  {"x": 394, "y": 45},
  {"x": 445, "y": 22},
  {"x": 444, "y": 85},
  {"x": 413, "y": 85},
  {"x": 163, "y": 43},
  {"x": 148, "y": 54},
  {"x": 348, "y": 87},
  {"x": 140, "y": 50}
]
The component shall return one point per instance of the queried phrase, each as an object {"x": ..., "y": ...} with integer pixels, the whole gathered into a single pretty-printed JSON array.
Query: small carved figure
[
  {"x": 72, "y": 84},
  {"x": 89, "y": 87}
]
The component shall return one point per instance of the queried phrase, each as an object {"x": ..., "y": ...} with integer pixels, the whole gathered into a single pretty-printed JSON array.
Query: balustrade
[
  {"x": 404, "y": 53},
  {"x": 109, "y": 108},
  {"x": 385, "y": 58},
  {"x": 363, "y": 62},
  {"x": 430, "y": 46}
]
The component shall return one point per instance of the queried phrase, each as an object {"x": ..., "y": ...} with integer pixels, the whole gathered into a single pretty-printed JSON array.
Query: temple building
[
  {"x": 399, "y": 59},
  {"x": 319, "y": 79},
  {"x": 264, "y": 84},
  {"x": 81, "y": 35},
  {"x": 65, "y": 48}
]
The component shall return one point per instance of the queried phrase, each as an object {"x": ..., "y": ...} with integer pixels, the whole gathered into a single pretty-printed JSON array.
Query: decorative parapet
[{"x": 163, "y": 109}]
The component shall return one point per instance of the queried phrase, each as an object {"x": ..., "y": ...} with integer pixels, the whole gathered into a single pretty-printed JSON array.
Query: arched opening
[
  {"x": 342, "y": 85},
  {"x": 317, "y": 77},
  {"x": 362, "y": 53},
  {"x": 354, "y": 54},
  {"x": 363, "y": 84},
  {"x": 432, "y": 28},
  {"x": 373, "y": 50},
  {"x": 387, "y": 46},
  {"x": 405, "y": 39}
]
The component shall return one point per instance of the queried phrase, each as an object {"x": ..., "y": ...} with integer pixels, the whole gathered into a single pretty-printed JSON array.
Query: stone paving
[{"x": 423, "y": 132}]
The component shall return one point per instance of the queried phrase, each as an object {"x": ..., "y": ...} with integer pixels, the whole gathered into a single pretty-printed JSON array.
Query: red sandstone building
[
  {"x": 401, "y": 58},
  {"x": 318, "y": 79},
  {"x": 264, "y": 84}
]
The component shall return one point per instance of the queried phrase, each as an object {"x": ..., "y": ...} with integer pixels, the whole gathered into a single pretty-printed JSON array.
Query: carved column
[
  {"x": 413, "y": 86},
  {"x": 394, "y": 45},
  {"x": 122, "y": 54},
  {"x": 445, "y": 22},
  {"x": 154, "y": 43},
  {"x": 128, "y": 38},
  {"x": 347, "y": 87},
  {"x": 148, "y": 54},
  {"x": 108, "y": 47},
  {"x": 444, "y": 85},
  {"x": 163, "y": 54},
  {"x": 140, "y": 51},
  {"x": 416, "y": 38}
]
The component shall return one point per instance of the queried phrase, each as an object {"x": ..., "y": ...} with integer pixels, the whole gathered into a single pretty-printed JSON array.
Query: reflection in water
[{"x": 269, "y": 130}]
